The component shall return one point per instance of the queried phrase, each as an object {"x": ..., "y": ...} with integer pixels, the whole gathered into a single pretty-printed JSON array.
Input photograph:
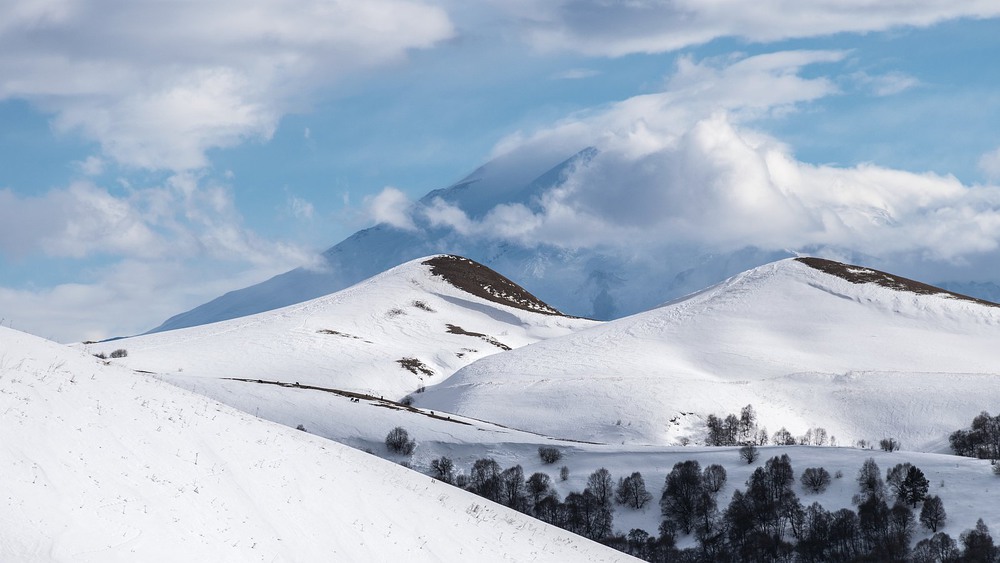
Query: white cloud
[
  {"x": 300, "y": 208},
  {"x": 158, "y": 84},
  {"x": 391, "y": 207},
  {"x": 124, "y": 298},
  {"x": 138, "y": 252},
  {"x": 91, "y": 166},
  {"x": 746, "y": 88},
  {"x": 576, "y": 74},
  {"x": 687, "y": 167},
  {"x": 598, "y": 27},
  {"x": 74, "y": 222},
  {"x": 887, "y": 84},
  {"x": 989, "y": 164}
]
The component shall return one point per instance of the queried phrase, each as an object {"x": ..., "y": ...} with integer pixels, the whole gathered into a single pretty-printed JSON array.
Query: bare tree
[
  {"x": 749, "y": 453},
  {"x": 819, "y": 437},
  {"x": 714, "y": 478},
  {"x": 631, "y": 491},
  {"x": 933, "y": 515},
  {"x": 888, "y": 444},
  {"x": 680, "y": 494},
  {"x": 601, "y": 486},
  {"x": 870, "y": 483},
  {"x": 783, "y": 438},
  {"x": 513, "y": 492},
  {"x": 443, "y": 469},
  {"x": 485, "y": 479},
  {"x": 539, "y": 486}
]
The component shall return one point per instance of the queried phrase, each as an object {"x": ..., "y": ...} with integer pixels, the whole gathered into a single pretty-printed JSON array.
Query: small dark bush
[
  {"x": 398, "y": 441},
  {"x": 101, "y": 355},
  {"x": 563, "y": 473},
  {"x": 423, "y": 306},
  {"x": 549, "y": 455},
  {"x": 300, "y": 427},
  {"x": 815, "y": 479},
  {"x": 119, "y": 353}
]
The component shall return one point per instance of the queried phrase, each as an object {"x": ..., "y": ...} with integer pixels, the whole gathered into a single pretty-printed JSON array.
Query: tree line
[{"x": 764, "y": 521}]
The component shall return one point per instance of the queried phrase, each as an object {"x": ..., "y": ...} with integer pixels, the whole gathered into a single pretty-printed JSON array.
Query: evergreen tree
[{"x": 913, "y": 489}]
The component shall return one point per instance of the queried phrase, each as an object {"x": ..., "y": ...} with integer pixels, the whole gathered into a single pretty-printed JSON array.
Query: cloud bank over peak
[
  {"x": 596, "y": 27},
  {"x": 690, "y": 167},
  {"x": 158, "y": 84}
]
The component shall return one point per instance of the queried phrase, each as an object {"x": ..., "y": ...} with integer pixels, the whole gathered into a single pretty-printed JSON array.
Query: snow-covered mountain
[
  {"x": 104, "y": 464},
  {"x": 807, "y": 342},
  {"x": 589, "y": 282},
  {"x": 389, "y": 336}
]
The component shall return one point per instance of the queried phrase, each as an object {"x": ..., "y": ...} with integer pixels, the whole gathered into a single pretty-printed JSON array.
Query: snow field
[
  {"x": 102, "y": 464},
  {"x": 805, "y": 348}
]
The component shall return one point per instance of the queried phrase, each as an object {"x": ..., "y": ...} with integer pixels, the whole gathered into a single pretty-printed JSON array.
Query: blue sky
[{"x": 153, "y": 156}]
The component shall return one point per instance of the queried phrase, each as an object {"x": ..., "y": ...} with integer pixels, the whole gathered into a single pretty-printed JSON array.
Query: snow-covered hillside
[
  {"x": 411, "y": 326},
  {"x": 103, "y": 464},
  {"x": 805, "y": 347}
]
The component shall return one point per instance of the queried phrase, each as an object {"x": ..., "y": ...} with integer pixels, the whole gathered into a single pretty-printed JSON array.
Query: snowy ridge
[
  {"x": 390, "y": 335},
  {"x": 806, "y": 348},
  {"x": 102, "y": 464},
  {"x": 481, "y": 281}
]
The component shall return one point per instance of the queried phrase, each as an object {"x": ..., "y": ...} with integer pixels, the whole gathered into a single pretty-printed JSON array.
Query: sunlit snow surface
[
  {"x": 806, "y": 348},
  {"x": 353, "y": 339},
  {"x": 103, "y": 464}
]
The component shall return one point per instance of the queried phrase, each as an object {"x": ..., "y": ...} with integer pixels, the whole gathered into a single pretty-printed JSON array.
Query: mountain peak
[
  {"x": 474, "y": 278},
  {"x": 862, "y": 275}
]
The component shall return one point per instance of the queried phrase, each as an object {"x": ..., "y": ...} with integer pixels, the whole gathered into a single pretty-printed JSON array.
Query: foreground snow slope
[
  {"x": 102, "y": 464},
  {"x": 806, "y": 347},
  {"x": 387, "y": 336}
]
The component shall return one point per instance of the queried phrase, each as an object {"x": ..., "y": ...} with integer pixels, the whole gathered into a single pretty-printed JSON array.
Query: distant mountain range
[
  {"x": 594, "y": 282},
  {"x": 586, "y": 282}
]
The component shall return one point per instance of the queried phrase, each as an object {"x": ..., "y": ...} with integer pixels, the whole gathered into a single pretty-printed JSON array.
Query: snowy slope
[
  {"x": 805, "y": 347},
  {"x": 102, "y": 464},
  {"x": 965, "y": 484},
  {"x": 387, "y": 336}
]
